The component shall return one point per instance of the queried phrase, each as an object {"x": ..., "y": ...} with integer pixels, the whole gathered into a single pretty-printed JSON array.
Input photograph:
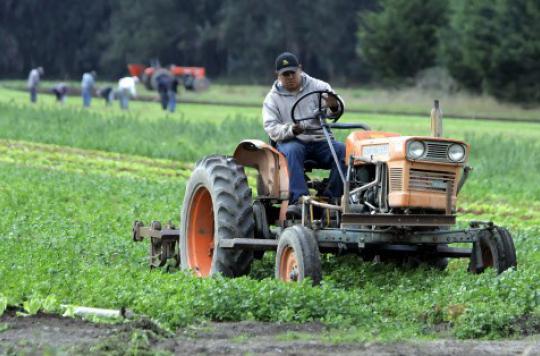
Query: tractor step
[
  {"x": 441, "y": 251},
  {"x": 351, "y": 220},
  {"x": 252, "y": 244}
]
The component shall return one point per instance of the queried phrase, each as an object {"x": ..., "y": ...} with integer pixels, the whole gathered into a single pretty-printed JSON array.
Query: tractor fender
[{"x": 271, "y": 165}]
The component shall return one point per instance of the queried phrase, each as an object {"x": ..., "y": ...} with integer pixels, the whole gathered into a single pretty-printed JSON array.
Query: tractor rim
[
  {"x": 200, "y": 237},
  {"x": 288, "y": 265}
]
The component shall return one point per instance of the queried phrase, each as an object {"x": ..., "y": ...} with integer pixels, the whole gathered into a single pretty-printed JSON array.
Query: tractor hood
[{"x": 372, "y": 146}]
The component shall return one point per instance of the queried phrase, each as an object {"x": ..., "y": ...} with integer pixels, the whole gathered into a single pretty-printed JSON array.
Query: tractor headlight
[
  {"x": 416, "y": 149},
  {"x": 456, "y": 153}
]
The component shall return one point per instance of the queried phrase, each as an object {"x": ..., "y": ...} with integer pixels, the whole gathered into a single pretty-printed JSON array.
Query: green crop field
[{"x": 72, "y": 181}]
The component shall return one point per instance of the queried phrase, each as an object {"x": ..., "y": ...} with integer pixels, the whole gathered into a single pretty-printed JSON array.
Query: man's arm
[{"x": 274, "y": 127}]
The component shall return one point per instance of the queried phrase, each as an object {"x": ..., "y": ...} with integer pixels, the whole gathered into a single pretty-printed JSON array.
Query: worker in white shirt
[{"x": 126, "y": 89}]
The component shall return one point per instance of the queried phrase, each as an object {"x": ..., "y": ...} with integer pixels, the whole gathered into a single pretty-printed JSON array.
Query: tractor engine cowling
[{"x": 415, "y": 172}]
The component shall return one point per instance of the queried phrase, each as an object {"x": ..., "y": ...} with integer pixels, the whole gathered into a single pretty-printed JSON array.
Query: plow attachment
[{"x": 164, "y": 243}]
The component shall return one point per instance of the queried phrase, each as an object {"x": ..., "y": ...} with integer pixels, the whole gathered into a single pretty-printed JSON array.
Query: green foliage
[
  {"x": 126, "y": 133},
  {"x": 54, "y": 35},
  {"x": 232, "y": 39},
  {"x": 32, "y": 305},
  {"x": 185, "y": 33},
  {"x": 514, "y": 74},
  {"x": 467, "y": 43},
  {"x": 401, "y": 38},
  {"x": 322, "y": 33},
  {"x": 492, "y": 46},
  {"x": 3, "y": 304}
]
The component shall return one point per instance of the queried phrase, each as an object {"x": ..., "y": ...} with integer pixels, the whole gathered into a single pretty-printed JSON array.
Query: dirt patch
[
  {"x": 42, "y": 333},
  {"x": 51, "y": 334}
]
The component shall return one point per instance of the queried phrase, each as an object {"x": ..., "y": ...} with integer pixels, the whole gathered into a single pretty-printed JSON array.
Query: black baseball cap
[{"x": 286, "y": 62}]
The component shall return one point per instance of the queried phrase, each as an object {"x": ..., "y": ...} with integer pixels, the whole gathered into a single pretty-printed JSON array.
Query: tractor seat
[{"x": 309, "y": 165}]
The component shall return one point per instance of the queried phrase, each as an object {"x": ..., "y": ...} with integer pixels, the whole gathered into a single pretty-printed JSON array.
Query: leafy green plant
[{"x": 33, "y": 305}]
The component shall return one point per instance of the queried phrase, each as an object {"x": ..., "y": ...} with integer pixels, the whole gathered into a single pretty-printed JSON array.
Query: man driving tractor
[
  {"x": 398, "y": 196},
  {"x": 303, "y": 140}
]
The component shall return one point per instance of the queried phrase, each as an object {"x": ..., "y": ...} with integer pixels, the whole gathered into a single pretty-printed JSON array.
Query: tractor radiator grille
[
  {"x": 437, "y": 151},
  {"x": 396, "y": 179},
  {"x": 430, "y": 181}
]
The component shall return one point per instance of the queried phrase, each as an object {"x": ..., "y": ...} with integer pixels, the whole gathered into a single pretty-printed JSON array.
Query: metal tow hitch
[{"x": 164, "y": 243}]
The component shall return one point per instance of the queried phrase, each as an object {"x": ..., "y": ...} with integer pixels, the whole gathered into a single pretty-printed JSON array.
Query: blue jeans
[
  {"x": 297, "y": 152},
  {"x": 87, "y": 97},
  {"x": 123, "y": 98},
  {"x": 164, "y": 99},
  {"x": 172, "y": 101},
  {"x": 33, "y": 94}
]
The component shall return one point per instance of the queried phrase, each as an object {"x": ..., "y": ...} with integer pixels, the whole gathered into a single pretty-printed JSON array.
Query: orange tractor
[
  {"x": 193, "y": 78},
  {"x": 399, "y": 205}
]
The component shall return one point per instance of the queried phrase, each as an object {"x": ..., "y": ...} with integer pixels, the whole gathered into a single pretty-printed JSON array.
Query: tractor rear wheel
[
  {"x": 497, "y": 250},
  {"x": 217, "y": 205},
  {"x": 297, "y": 256}
]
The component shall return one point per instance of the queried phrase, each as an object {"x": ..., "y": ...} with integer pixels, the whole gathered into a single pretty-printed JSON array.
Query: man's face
[{"x": 291, "y": 79}]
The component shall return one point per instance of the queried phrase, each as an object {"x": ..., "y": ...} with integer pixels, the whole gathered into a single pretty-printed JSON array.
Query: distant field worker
[
  {"x": 107, "y": 93},
  {"x": 88, "y": 83},
  {"x": 126, "y": 89},
  {"x": 60, "y": 91},
  {"x": 164, "y": 81},
  {"x": 33, "y": 82}
]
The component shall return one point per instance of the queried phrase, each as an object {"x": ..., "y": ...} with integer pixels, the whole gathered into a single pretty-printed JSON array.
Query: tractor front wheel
[
  {"x": 297, "y": 256},
  {"x": 497, "y": 251},
  {"x": 217, "y": 205}
]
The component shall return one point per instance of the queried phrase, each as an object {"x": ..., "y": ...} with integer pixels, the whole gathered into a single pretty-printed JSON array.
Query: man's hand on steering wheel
[{"x": 332, "y": 101}]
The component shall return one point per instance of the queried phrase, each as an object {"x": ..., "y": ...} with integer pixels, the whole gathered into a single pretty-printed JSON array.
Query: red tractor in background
[{"x": 192, "y": 78}]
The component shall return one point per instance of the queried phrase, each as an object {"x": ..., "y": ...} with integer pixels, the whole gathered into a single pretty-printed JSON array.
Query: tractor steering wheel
[{"x": 321, "y": 112}]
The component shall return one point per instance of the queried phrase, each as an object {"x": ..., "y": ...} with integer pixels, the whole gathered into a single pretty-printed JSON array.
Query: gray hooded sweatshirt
[
  {"x": 33, "y": 79},
  {"x": 277, "y": 107}
]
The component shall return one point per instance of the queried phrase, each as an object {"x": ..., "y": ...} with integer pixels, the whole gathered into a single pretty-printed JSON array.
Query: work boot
[{"x": 294, "y": 211}]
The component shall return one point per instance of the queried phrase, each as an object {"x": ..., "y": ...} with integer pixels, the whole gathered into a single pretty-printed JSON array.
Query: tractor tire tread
[{"x": 232, "y": 204}]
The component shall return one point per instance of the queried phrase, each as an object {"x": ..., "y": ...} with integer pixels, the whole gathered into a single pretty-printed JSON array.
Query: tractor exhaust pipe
[{"x": 436, "y": 120}]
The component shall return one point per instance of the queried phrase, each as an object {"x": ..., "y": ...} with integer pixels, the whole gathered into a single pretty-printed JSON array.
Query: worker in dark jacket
[{"x": 163, "y": 82}]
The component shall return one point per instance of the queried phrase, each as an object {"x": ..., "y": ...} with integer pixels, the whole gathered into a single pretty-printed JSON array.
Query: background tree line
[{"x": 489, "y": 46}]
